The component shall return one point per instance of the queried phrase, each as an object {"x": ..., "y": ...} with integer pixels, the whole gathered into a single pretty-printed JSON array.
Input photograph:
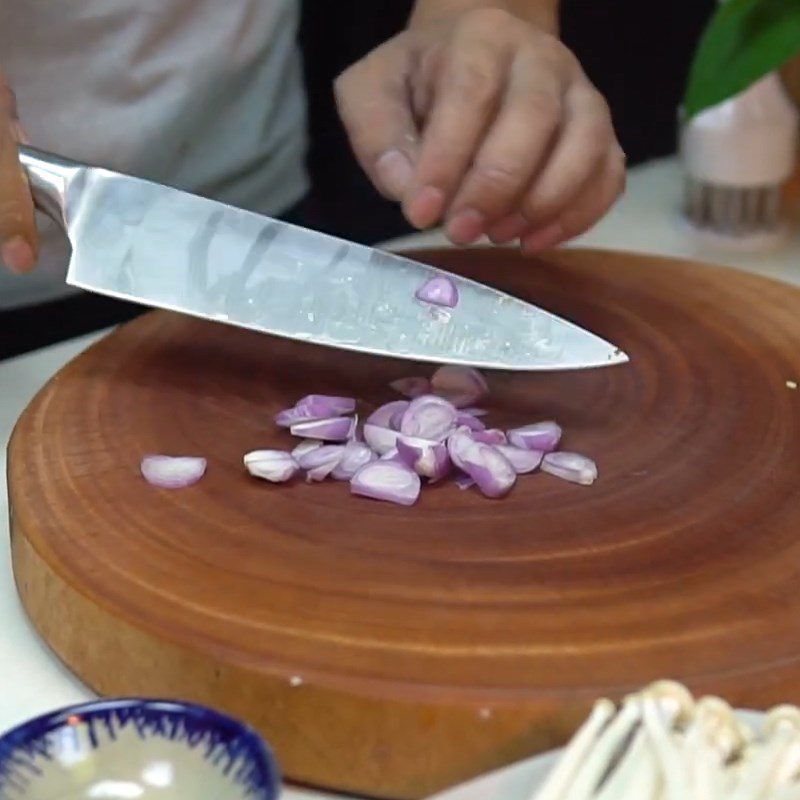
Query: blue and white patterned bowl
[{"x": 136, "y": 749}]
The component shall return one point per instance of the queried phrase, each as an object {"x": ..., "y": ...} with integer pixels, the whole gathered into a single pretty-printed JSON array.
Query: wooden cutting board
[{"x": 393, "y": 651}]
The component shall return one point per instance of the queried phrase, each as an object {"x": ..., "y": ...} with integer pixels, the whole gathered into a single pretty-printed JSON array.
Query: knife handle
[{"x": 49, "y": 177}]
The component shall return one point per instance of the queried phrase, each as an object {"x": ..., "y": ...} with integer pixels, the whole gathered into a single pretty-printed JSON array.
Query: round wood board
[{"x": 394, "y": 651}]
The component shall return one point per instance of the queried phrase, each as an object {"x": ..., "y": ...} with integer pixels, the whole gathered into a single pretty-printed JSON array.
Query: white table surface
[{"x": 32, "y": 681}]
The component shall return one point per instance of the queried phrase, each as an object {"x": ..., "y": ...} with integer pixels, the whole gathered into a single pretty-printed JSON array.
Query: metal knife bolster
[{"x": 49, "y": 177}]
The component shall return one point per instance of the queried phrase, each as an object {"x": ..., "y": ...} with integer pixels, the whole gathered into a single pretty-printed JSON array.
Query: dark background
[{"x": 636, "y": 52}]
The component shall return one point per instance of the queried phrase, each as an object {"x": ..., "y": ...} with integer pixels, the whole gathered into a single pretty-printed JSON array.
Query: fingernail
[
  {"x": 543, "y": 239},
  {"x": 508, "y": 229},
  {"x": 17, "y": 254},
  {"x": 466, "y": 226},
  {"x": 425, "y": 207},
  {"x": 394, "y": 172}
]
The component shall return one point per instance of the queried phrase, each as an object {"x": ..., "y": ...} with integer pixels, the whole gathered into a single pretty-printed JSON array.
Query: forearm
[{"x": 542, "y": 13}]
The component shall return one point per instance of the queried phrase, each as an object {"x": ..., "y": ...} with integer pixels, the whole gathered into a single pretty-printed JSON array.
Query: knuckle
[
  {"x": 576, "y": 223},
  {"x": 498, "y": 179},
  {"x": 488, "y": 19},
  {"x": 598, "y": 134},
  {"x": 474, "y": 83},
  {"x": 546, "y": 107},
  {"x": 343, "y": 82},
  {"x": 538, "y": 207},
  {"x": 549, "y": 50}
]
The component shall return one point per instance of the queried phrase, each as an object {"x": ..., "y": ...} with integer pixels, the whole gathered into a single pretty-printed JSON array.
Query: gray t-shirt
[{"x": 205, "y": 95}]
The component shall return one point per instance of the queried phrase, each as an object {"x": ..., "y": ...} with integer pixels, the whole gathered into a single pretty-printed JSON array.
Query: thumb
[
  {"x": 375, "y": 107},
  {"x": 18, "y": 238}
]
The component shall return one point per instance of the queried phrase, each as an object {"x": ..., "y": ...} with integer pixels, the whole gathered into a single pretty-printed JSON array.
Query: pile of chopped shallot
[
  {"x": 437, "y": 433},
  {"x": 662, "y": 744}
]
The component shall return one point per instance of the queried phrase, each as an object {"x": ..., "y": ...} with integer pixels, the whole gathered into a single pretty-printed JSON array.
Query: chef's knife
[{"x": 151, "y": 244}]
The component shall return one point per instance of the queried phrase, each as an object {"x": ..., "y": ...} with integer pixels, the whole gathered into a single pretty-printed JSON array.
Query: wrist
[{"x": 542, "y": 14}]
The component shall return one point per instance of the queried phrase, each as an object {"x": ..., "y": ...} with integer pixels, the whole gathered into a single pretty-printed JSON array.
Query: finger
[
  {"x": 598, "y": 196},
  {"x": 375, "y": 108},
  {"x": 587, "y": 139},
  {"x": 18, "y": 239},
  {"x": 471, "y": 83},
  {"x": 514, "y": 149},
  {"x": 508, "y": 229}
]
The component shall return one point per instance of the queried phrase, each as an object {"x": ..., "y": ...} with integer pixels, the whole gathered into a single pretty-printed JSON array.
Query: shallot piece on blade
[
  {"x": 571, "y": 467},
  {"x": 276, "y": 466},
  {"x": 392, "y": 481},
  {"x": 439, "y": 291},
  {"x": 170, "y": 472},
  {"x": 332, "y": 429},
  {"x": 462, "y": 386},
  {"x": 411, "y": 387},
  {"x": 355, "y": 456},
  {"x": 429, "y": 417},
  {"x": 426, "y": 458},
  {"x": 543, "y": 436}
]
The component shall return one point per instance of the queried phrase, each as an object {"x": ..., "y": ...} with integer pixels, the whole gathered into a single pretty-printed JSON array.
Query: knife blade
[{"x": 158, "y": 246}]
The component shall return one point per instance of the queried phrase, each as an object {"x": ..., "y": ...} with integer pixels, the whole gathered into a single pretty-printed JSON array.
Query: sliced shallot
[
  {"x": 490, "y": 469},
  {"x": 276, "y": 466},
  {"x": 320, "y": 463},
  {"x": 474, "y": 412},
  {"x": 392, "y": 481},
  {"x": 490, "y": 436},
  {"x": 571, "y": 467},
  {"x": 332, "y": 429},
  {"x": 306, "y": 446},
  {"x": 439, "y": 291},
  {"x": 523, "y": 461},
  {"x": 464, "y": 482},
  {"x": 411, "y": 387},
  {"x": 426, "y": 458},
  {"x": 381, "y": 439},
  {"x": 170, "y": 472},
  {"x": 462, "y": 386},
  {"x": 327, "y": 405},
  {"x": 543, "y": 436},
  {"x": 315, "y": 407},
  {"x": 459, "y": 444},
  {"x": 470, "y": 421},
  {"x": 428, "y": 417},
  {"x": 355, "y": 456},
  {"x": 382, "y": 416},
  {"x": 291, "y": 416},
  {"x": 397, "y": 419}
]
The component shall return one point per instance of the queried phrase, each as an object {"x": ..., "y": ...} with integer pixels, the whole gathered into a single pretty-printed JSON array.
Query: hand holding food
[{"x": 483, "y": 119}]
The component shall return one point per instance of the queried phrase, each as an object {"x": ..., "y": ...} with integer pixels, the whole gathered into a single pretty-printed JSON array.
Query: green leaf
[{"x": 744, "y": 41}]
